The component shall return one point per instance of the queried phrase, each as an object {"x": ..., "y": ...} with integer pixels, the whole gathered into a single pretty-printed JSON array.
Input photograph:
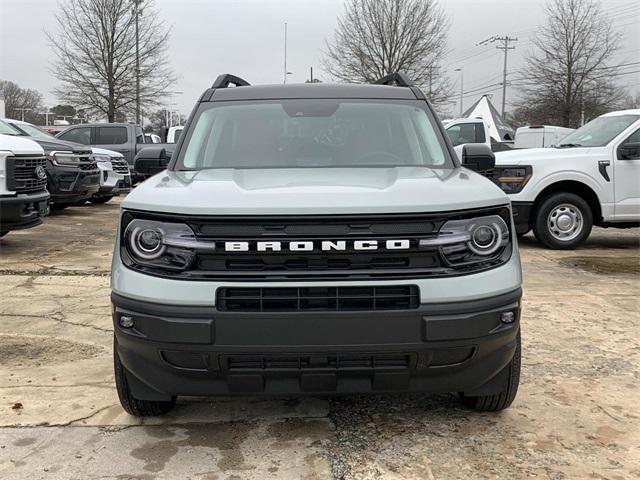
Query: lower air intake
[{"x": 312, "y": 299}]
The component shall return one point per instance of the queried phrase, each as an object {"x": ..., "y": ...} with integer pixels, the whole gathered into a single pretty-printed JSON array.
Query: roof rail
[
  {"x": 397, "y": 78},
  {"x": 226, "y": 79}
]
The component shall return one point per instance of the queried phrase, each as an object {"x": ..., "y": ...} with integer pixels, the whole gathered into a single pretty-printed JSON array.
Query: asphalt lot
[{"x": 576, "y": 415}]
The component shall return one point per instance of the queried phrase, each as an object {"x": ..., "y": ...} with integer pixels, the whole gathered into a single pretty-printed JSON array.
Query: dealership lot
[{"x": 576, "y": 415}]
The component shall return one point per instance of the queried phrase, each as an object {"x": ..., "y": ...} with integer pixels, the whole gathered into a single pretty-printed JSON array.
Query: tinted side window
[
  {"x": 466, "y": 133},
  {"x": 630, "y": 148},
  {"x": 139, "y": 135},
  {"x": 111, "y": 135},
  {"x": 79, "y": 135}
]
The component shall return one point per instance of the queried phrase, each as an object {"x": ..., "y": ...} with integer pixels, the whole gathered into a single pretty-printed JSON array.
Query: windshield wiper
[{"x": 569, "y": 145}]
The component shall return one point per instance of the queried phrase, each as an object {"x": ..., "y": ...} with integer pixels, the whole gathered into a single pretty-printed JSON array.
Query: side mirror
[
  {"x": 478, "y": 157},
  {"x": 629, "y": 151},
  {"x": 152, "y": 160}
]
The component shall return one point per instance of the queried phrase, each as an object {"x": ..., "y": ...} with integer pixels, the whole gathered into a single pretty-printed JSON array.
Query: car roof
[
  {"x": 13, "y": 120},
  {"x": 634, "y": 111},
  {"x": 313, "y": 90},
  {"x": 103, "y": 124}
]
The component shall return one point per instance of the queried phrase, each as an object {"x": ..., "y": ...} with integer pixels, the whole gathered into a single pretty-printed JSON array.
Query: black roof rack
[
  {"x": 226, "y": 79},
  {"x": 398, "y": 78}
]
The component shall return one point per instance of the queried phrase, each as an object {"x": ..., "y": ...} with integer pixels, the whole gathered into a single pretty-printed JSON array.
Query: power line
[{"x": 504, "y": 45}]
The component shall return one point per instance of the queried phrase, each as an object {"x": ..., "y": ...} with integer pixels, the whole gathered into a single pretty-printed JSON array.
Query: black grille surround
[
  {"x": 21, "y": 173},
  {"x": 313, "y": 299},
  {"x": 382, "y": 264}
]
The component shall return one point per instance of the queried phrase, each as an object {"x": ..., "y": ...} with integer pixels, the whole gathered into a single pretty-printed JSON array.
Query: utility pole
[
  {"x": 461, "y": 88},
  {"x": 503, "y": 44},
  {"x": 136, "y": 7},
  {"x": 431, "y": 68},
  {"x": 285, "y": 53}
]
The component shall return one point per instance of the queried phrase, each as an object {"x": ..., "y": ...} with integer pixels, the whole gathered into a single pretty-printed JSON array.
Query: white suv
[{"x": 315, "y": 239}]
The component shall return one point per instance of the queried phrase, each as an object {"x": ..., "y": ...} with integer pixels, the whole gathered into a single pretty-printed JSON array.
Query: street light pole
[
  {"x": 137, "y": 15},
  {"x": 285, "y": 53},
  {"x": 461, "y": 88},
  {"x": 22, "y": 110}
]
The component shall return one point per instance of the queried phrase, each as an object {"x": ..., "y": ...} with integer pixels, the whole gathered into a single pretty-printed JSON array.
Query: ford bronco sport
[{"x": 315, "y": 239}]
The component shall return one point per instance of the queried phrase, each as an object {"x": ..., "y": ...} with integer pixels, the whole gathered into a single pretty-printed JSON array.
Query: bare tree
[
  {"x": 160, "y": 119},
  {"x": 569, "y": 78},
  {"x": 21, "y": 102},
  {"x": 378, "y": 37},
  {"x": 96, "y": 56}
]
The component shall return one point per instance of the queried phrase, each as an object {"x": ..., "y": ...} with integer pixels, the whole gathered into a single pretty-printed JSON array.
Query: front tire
[
  {"x": 503, "y": 399},
  {"x": 132, "y": 405},
  {"x": 101, "y": 199},
  {"x": 563, "y": 221}
]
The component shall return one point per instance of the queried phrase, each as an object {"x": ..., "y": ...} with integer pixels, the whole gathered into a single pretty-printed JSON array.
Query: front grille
[
  {"x": 289, "y": 264},
  {"x": 295, "y": 363},
  {"x": 88, "y": 166},
  {"x": 310, "y": 299},
  {"x": 21, "y": 173},
  {"x": 120, "y": 165}
]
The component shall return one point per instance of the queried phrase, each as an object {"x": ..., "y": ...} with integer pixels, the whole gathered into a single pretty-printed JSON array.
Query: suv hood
[
  {"x": 314, "y": 190},
  {"x": 527, "y": 156},
  {"x": 104, "y": 151},
  {"x": 54, "y": 144},
  {"x": 19, "y": 145}
]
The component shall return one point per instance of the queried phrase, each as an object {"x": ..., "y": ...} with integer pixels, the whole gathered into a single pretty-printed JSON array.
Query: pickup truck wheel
[
  {"x": 502, "y": 400},
  {"x": 101, "y": 199},
  {"x": 132, "y": 405},
  {"x": 563, "y": 221},
  {"x": 56, "y": 207}
]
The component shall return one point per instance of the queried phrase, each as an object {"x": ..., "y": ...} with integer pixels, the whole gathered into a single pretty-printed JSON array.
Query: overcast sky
[{"x": 247, "y": 38}]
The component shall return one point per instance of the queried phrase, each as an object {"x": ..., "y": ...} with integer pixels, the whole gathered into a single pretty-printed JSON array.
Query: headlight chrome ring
[
  {"x": 147, "y": 243},
  {"x": 485, "y": 238}
]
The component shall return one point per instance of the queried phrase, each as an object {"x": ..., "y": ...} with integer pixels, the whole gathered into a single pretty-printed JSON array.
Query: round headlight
[
  {"x": 485, "y": 238},
  {"x": 146, "y": 243}
]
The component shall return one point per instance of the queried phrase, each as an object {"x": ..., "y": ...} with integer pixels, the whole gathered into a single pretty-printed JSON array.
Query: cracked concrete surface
[{"x": 575, "y": 416}]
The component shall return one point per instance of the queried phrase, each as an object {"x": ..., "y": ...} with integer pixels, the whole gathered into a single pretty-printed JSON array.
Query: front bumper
[
  {"x": 24, "y": 210},
  {"x": 70, "y": 185},
  {"x": 198, "y": 350},
  {"x": 522, "y": 216},
  {"x": 113, "y": 183}
]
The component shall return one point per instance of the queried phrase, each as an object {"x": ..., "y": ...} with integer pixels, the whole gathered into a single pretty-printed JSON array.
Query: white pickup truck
[
  {"x": 591, "y": 178},
  {"x": 462, "y": 131}
]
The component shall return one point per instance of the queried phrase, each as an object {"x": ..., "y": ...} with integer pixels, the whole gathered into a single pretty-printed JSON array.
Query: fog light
[
  {"x": 126, "y": 322},
  {"x": 508, "y": 317}
]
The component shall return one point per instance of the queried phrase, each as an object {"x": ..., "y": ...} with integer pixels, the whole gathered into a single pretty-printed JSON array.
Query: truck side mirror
[
  {"x": 478, "y": 157},
  {"x": 152, "y": 160},
  {"x": 629, "y": 151}
]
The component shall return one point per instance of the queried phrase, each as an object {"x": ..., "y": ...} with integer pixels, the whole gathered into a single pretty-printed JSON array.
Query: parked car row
[
  {"x": 125, "y": 138},
  {"x": 39, "y": 173}
]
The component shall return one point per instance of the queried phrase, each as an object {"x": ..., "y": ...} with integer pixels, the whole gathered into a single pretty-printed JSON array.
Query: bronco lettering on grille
[{"x": 310, "y": 246}]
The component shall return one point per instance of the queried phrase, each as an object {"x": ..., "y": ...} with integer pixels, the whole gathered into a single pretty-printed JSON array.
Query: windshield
[
  {"x": 32, "y": 131},
  {"x": 598, "y": 132},
  {"x": 313, "y": 133},
  {"x": 6, "y": 129}
]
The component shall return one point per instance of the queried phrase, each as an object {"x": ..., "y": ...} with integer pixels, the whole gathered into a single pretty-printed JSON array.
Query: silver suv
[{"x": 315, "y": 239}]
